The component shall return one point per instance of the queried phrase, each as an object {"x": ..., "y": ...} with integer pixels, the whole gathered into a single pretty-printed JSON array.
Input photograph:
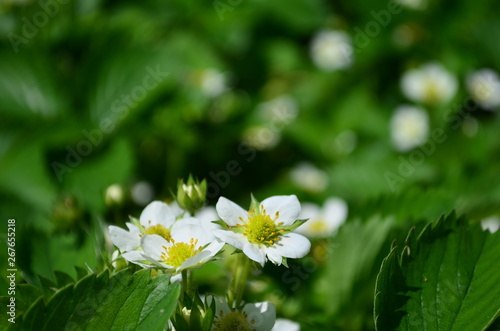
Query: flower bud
[
  {"x": 118, "y": 262},
  {"x": 191, "y": 195}
]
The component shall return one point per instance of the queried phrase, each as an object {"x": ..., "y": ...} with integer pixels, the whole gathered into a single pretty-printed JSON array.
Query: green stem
[
  {"x": 240, "y": 276},
  {"x": 184, "y": 285}
]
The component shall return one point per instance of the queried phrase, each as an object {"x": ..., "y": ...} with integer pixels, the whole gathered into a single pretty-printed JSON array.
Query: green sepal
[
  {"x": 237, "y": 251},
  {"x": 295, "y": 225},
  {"x": 284, "y": 261},
  {"x": 223, "y": 224},
  {"x": 254, "y": 204},
  {"x": 137, "y": 223}
]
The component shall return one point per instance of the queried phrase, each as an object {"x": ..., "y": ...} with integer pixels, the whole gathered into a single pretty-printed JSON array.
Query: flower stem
[
  {"x": 240, "y": 275},
  {"x": 184, "y": 285}
]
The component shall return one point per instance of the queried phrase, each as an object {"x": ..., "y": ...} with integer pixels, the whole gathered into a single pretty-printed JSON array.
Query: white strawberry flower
[
  {"x": 264, "y": 232},
  {"x": 409, "y": 127},
  {"x": 157, "y": 218},
  {"x": 259, "y": 316},
  {"x": 484, "y": 86},
  {"x": 190, "y": 245},
  {"x": 332, "y": 50},
  {"x": 323, "y": 222},
  {"x": 430, "y": 84}
]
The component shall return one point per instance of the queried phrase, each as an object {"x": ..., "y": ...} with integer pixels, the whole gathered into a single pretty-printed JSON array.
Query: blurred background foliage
[{"x": 136, "y": 95}]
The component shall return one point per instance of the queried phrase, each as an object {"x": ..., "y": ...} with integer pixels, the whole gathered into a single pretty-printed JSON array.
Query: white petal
[
  {"x": 176, "y": 278},
  {"x": 335, "y": 213},
  {"x": 124, "y": 240},
  {"x": 157, "y": 212},
  {"x": 309, "y": 210},
  {"x": 283, "y": 324},
  {"x": 175, "y": 208},
  {"x": 208, "y": 214},
  {"x": 191, "y": 228},
  {"x": 234, "y": 239},
  {"x": 291, "y": 245},
  {"x": 262, "y": 314},
  {"x": 273, "y": 256},
  {"x": 221, "y": 304},
  {"x": 203, "y": 256},
  {"x": 153, "y": 244},
  {"x": 254, "y": 252},
  {"x": 230, "y": 212},
  {"x": 136, "y": 257},
  {"x": 288, "y": 207}
]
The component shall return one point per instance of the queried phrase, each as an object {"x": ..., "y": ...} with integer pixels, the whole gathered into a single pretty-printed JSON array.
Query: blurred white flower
[
  {"x": 491, "y": 224},
  {"x": 283, "y": 324},
  {"x": 430, "y": 84},
  {"x": 309, "y": 178},
  {"x": 323, "y": 222},
  {"x": 114, "y": 195},
  {"x": 484, "y": 87},
  {"x": 263, "y": 232},
  {"x": 213, "y": 82},
  {"x": 190, "y": 245},
  {"x": 409, "y": 127},
  {"x": 332, "y": 50},
  {"x": 254, "y": 316},
  {"x": 261, "y": 137},
  {"x": 142, "y": 193},
  {"x": 414, "y": 4},
  {"x": 281, "y": 110}
]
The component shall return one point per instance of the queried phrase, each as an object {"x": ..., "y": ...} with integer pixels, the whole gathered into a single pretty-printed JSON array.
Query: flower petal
[
  {"x": 335, "y": 212},
  {"x": 157, "y": 212},
  {"x": 283, "y": 324},
  {"x": 254, "y": 252},
  {"x": 123, "y": 239},
  {"x": 234, "y": 239},
  {"x": 204, "y": 256},
  {"x": 208, "y": 214},
  {"x": 136, "y": 257},
  {"x": 191, "y": 228},
  {"x": 291, "y": 245},
  {"x": 221, "y": 305},
  {"x": 153, "y": 246},
  {"x": 230, "y": 212},
  {"x": 288, "y": 207},
  {"x": 262, "y": 314}
]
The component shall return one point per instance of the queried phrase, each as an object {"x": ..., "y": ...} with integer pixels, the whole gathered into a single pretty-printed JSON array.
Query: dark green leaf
[{"x": 444, "y": 279}]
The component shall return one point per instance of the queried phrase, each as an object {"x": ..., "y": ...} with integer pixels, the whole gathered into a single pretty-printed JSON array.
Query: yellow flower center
[
  {"x": 261, "y": 229},
  {"x": 318, "y": 226},
  {"x": 159, "y": 230},
  {"x": 432, "y": 92},
  {"x": 176, "y": 254},
  {"x": 234, "y": 321}
]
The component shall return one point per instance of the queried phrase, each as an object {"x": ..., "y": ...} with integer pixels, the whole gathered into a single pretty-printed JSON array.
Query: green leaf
[
  {"x": 351, "y": 256},
  {"x": 125, "y": 301},
  {"x": 444, "y": 279}
]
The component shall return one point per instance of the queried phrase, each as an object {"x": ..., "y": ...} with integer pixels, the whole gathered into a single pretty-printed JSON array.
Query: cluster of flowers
[
  {"x": 431, "y": 84},
  {"x": 175, "y": 240}
]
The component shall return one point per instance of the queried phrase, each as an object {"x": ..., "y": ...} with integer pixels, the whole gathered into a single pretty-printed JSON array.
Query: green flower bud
[{"x": 191, "y": 196}]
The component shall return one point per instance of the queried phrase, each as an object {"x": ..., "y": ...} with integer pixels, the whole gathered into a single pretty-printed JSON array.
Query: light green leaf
[{"x": 444, "y": 279}]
